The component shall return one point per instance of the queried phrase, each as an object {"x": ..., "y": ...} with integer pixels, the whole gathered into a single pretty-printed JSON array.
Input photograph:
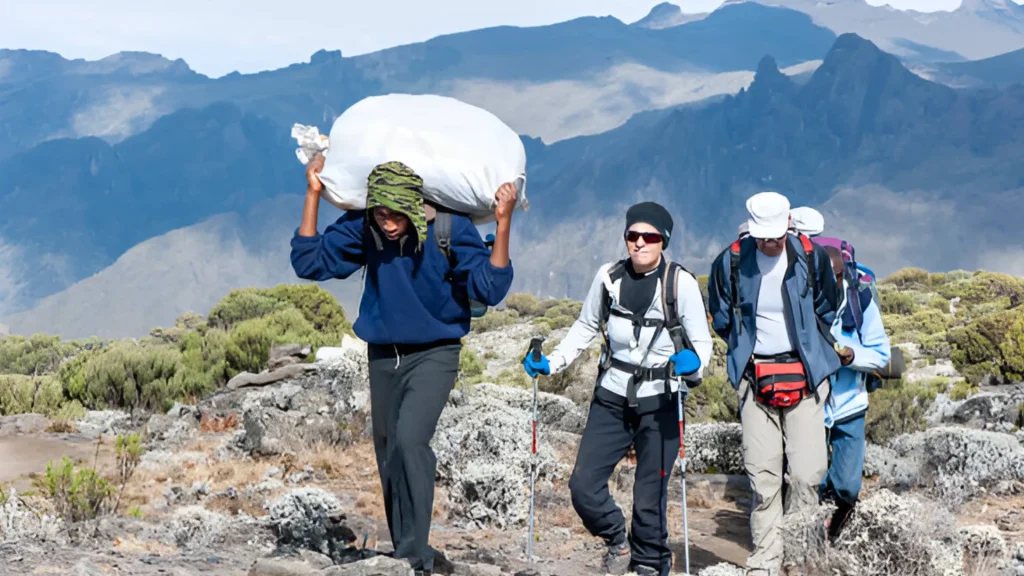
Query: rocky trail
[{"x": 275, "y": 475}]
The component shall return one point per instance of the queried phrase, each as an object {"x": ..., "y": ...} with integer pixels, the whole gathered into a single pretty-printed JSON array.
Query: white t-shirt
[{"x": 772, "y": 331}]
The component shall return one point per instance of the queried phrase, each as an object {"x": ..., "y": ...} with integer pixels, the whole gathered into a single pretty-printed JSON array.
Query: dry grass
[
  {"x": 61, "y": 427},
  {"x": 217, "y": 424}
]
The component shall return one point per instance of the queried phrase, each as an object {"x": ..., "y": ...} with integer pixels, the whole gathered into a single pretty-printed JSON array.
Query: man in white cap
[
  {"x": 772, "y": 297},
  {"x": 807, "y": 220}
]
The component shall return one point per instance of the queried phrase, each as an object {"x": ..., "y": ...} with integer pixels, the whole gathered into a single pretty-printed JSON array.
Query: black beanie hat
[{"x": 651, "y": 213}]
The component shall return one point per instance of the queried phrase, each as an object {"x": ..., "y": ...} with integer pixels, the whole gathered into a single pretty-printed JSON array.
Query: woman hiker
[
  {"x": 413, "y": 313},
  {"x": 634, "y": 403}
]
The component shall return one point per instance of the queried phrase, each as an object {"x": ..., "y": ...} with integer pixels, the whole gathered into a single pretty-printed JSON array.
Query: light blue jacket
[
  {"x": 871, "y": 351},
  {"x": 805, "y": 315}
]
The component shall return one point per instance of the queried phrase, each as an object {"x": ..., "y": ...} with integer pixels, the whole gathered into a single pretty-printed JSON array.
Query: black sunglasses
[{"x": 649, "y": 237}]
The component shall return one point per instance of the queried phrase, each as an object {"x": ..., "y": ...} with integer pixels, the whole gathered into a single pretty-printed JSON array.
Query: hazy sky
[{"x": 219, "y": 36}]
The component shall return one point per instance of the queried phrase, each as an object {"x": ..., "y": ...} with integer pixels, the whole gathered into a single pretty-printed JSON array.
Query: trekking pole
[
  {"x": 535, "y": 350},
  {"x": 682, "y": 474}
]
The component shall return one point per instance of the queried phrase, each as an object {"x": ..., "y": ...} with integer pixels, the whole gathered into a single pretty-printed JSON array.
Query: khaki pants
[{"x": 768, "y": 433}]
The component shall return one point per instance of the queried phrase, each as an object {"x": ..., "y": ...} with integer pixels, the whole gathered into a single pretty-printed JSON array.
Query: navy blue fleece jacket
[{"x": 408, "y": 297}]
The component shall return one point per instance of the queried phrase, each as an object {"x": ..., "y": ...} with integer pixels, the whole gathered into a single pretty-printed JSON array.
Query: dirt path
[{"x": 24, "y": 455}]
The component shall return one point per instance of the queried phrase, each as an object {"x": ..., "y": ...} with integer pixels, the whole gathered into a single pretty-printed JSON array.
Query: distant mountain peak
[
  {"x": 325, "y": 56},
  {"x": 138, "y": 63},
  {"x": 666, "y": 15},
  {"x": 990, "y": 5}
]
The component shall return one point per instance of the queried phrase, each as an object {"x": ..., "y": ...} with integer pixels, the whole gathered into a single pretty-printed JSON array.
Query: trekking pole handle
[{"x": 536, "y": 348}]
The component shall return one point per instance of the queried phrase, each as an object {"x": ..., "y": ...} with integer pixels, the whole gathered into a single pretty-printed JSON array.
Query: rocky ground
[{"x": 275, "y": 475}]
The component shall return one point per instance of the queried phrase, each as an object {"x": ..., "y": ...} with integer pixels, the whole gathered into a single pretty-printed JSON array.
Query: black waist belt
[
  {"x": 390, "y": 350},
  {"x": 640, "y": 374}
]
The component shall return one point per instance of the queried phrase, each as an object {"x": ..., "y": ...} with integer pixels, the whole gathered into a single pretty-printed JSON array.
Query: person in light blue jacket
[{"x": 864, "y": 350}]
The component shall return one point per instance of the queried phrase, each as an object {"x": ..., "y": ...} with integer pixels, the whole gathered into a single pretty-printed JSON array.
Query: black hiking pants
[
  {"x": 409, "y": 388},
  {"x": 611, "y": 428}
]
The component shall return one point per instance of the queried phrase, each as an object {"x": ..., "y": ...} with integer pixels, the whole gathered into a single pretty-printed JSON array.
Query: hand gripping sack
[{"x": 463, "y": 153}]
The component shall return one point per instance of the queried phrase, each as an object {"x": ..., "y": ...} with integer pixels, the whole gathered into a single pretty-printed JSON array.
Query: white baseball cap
[
  {"x": 769, "y": 215},
  {"x": 807, "y": 220}
]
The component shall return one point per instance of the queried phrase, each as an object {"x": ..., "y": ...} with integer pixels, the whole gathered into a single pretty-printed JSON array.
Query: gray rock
[
  {"x": 290, "y": 372},
  {"x": 172, "y": 431},
  {"x": 477, "y": 570},
  {"x": 983, "y": 545},
  {"x": 310, "y": 519},
  {"x": 272, "y": 432},
  {"x": 959, "y": 463},
  {"x": 196, "y": 527},
  {"x": 288, "y": 354},
  {"x": 984, "y": 409},
  {"x": 483, "y": 460},
  {"x": 23, "y": 424},
  {"x": 104, "y": 422},
  {"x": 282, "y": 566},
  {"x": 377, "y": 566},
  {"x": 722, "y": 569}
]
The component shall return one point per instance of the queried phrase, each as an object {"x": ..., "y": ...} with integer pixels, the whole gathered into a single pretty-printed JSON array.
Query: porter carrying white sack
[{"x": 462, "y": 153}]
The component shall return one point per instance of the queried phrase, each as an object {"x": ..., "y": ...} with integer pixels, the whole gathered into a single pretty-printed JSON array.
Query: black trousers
[
  {"x": 611, "y": 428},
  {"x": 409, "y": 388}
]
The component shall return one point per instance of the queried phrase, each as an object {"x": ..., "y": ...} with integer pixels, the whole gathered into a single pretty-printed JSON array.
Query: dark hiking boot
[
  {"x": 644, "y": 570},
  {"x": 616, "y": 559},
  {"x": 839, "y": 519}
]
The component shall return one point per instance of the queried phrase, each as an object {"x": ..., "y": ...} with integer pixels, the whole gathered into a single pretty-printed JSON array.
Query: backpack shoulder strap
[
  {"x": 617, "y": 271},
  {"x": 670, "y": 305},
  {"x": 734, "y": 280},
  {"x": 443, "y": 231},
  {"x": 812, "y": 260}
]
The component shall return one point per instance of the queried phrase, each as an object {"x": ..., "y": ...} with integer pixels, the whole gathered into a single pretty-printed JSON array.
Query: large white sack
[{"x": 462, "y": 152}]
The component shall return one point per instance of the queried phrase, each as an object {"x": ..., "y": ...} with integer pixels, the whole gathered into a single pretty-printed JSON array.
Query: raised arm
[
  {"x": 338, "y": 253},
  {"x": 584, "y": 330}
]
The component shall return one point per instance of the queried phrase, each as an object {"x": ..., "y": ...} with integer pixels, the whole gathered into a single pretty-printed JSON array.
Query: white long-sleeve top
[{"x": 692, "y": 315}]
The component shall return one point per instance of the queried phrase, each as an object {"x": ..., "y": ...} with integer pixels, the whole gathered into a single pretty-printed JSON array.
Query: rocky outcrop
[
  {"x": 311, "y": 519},
  {"x": 958, "y": 464}
]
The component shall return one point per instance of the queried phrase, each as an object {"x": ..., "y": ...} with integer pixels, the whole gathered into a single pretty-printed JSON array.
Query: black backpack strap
[
  {"x": 734, "y": 276},
  {"x": 617, "y": 271},
  {"x": 670, "y": 305}
]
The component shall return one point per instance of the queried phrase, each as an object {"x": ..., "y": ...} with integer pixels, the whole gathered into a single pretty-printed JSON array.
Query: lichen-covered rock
[
  {"x": 886, "y": 464},
  {"x": 988, "y": 410},
  {"x": 960, "y": 463},
  {"x": 482, "y": 446},
  {"x": 197, "y": 527},
  {"x": 722, "y": 569},
  {"x": 310, "y": 519},
  {"x": 17, "y": 521},
  {"x": 553, "y": 411},
  {"x": 887, "y": 534},
  {"x": 714, "y": 447},
  {"x": 171, "y": 430},
  {"x": 377, "y": 566}
]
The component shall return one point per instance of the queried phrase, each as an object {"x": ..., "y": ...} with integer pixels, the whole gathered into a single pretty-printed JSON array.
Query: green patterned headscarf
[{"x": 395, "y": 186}]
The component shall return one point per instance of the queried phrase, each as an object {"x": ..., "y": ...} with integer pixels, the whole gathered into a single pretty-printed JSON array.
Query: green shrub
[
  {"x": 939, "y": 303},
  {"x": 470, "y": 365},
  {"x": 909, "y": 278},
  {"x": 978, "y": 346},
  {"x": 494, "y": 320},
  {"x": 1012, "y": 349},
  {"x": 248, "y": 344},
  {"x": 241, "y": 305},
  {"x": 27, "y": 394},
  {"x": 36, "y": 355},
  {"x": 77, "y": 494},
  {"x": 126, "y": 375},
  {"x": 526, "y": 305},
  {"x": 715, "y": 400},
  {"x": 515, "y": 378},
  {"x": 897, "y": 303},
  {"x": 963, "y": 390},
  {"x": 899, "y": 408},
  {"x": 552, "y": 323}
]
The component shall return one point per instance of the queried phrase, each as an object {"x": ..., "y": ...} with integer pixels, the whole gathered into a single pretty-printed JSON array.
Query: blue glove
[
  {"x": 685, "y": 363},
  {"x": 534, "y": 368}
]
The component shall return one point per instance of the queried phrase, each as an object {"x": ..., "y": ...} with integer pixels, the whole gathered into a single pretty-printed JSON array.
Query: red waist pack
[{"x": 780, "y": 382}]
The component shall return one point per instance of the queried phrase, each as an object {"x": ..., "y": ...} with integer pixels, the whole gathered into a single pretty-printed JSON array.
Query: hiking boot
[
  {"x": 616, "y": 559},
  {"x": 422, "y": 573},
  {"x": 839, "y": 518},
  {"x": 644, "y": 570}
]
